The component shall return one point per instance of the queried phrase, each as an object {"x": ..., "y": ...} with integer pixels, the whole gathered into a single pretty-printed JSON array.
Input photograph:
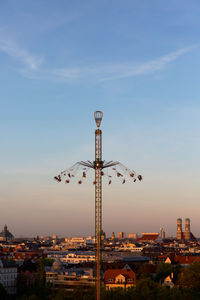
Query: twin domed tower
[{"x": 187, "y": 235}]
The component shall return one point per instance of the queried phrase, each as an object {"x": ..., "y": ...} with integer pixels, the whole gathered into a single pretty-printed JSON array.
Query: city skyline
[{"x": 138, "y": 64}]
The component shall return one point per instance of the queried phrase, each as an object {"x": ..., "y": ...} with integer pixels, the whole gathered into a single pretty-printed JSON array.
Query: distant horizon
[{"x": 92, "y": 235}]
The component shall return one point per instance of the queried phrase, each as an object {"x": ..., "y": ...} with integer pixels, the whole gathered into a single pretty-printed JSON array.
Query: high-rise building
[
  {"x": 162, "y": 233},
  {"x": 132, "y": 236},
  {"x": 103, "y": 235},
  {"x": 121, "y": 235},
  {"x": 187, "y": 229},
  {"x": 113, "y": 236},
  {"x": 179, "y": 229}
]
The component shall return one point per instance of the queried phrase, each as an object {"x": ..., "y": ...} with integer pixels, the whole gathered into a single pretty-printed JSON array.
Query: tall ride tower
[{"x": 98, "y": 163}]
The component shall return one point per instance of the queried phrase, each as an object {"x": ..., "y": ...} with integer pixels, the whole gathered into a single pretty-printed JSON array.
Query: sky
[{"x": 138, "y": 62}]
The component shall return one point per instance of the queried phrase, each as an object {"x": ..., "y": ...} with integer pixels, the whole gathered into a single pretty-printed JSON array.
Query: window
[{"x": 119, "y": 281}]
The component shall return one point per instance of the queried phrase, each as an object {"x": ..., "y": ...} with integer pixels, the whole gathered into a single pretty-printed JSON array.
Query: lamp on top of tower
[{"x": 98, "y": 115}]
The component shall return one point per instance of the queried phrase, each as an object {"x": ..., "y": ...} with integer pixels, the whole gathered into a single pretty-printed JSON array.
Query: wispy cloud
[
  {"x": 118, "y": 70},
  {"x": 149, "y": 66},
  {"x": 16, "y": 52},
  {"x": 98, "y": 73}
]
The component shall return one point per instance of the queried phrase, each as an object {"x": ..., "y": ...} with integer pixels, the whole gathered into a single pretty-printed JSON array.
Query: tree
[
  {"x": 3, "y": 293},
  {"x": 190, "y": 277},
  {"x": 22, "y": 284},
  {"x": 144, "y": 271},
  {"x": 34, "y": 297},
  {"x": 41, "y": 274},
  {"x": 48, "y": 261},
  {"x": 146, "y": 289},
  {"x": 163, "y": 271}
]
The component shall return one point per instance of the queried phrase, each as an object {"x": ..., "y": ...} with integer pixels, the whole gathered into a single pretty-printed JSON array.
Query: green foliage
[
  {"x": 190, "y": 277},
  {"x": 41, "y": 274},
  {"x": 22, "y": 284},
  {"x": 114, "y": 294},
  {"x": 61, "y": 294},
  {"x": 3, "y": 293},
  {"x": 146, "y": 288},
  {"x": 34, "y": 297},
  {"x": 48, "y": 261},
  {"x": 163, "y": 271},
  {"x": 143, "y": 271}
]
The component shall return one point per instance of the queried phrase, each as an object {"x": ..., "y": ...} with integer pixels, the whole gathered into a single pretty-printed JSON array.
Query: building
[
  {"x": 148, "y": 237},
  {"x": 6, "y": 235},
  {"x": 90, "y": 241},
  {"x": 119, "y": 278},
  {"x": 179, "y": 234},
  {"x": 168, "y": 281},
  {"x": 103, "y": 235},
  {"x": 27, "y": 273},
  {"x": 75, "y": 242},
  {"x": 132, "y": 236},
  {"x": 187, "y": 229},
  {"x": 78, "y": 257},
  {"x": 69, "y": 279},
  {"x": 113, "y": 236},
  {"x": 162, "y": 233},
  {"x": 187, "y": 235},
  {"x": 20, "y": 256},
  {"x": 121, "y": 235},
  {"x": 185, "y": 260},
  {"x": 8, "y": 275}
]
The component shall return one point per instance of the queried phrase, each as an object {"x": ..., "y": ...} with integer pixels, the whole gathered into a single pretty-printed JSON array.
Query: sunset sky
[{"x": 138, "y": 62}]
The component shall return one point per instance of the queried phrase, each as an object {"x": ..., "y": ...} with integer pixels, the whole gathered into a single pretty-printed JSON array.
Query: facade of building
[
  {"x": 187, "y": 235},
  {"x": 123, "y": 278},
  {"x": 27, "y": 273},
  {"x": 121, "y": 235},
  {"x": 8, "y": 275},
  {"x": 6, "y": 235},
  {"x": 21, "y": 256},
  {"x": 168, "y": 281},
  {"x": 148, "y": 237},
  {"x": 59, "y": 277},
  {"x": 187, "y": 229},
  {"x": 132, "y": 236},
  {"x": 179, "y": 230},
  {"x": 113, "y": 236},
  {"x": 162, "y": 234},
  {"x": 75, "y": 242}
]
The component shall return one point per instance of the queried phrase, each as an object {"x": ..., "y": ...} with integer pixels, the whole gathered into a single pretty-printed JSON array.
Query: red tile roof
[
  {"x": 113, "y": 273},
  {"x": 186, "y": 260},
  {"x": 148, "y": 237}
]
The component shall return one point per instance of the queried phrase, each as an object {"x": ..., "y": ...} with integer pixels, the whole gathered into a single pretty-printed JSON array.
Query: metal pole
[
  {"x": 98, "y": 208},
  {"x": 98, "y": 165}
]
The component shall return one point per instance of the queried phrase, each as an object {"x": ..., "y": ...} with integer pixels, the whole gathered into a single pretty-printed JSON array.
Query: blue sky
[{"x": 138, "y": 62}]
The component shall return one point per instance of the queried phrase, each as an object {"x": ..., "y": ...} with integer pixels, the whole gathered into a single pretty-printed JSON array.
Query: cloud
[
  {"x": 117, "y": 71},
  {"x": 150, "y": 66},
  {"x": 11, "y": 49},
  {"x": 98, "y": 73}
]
